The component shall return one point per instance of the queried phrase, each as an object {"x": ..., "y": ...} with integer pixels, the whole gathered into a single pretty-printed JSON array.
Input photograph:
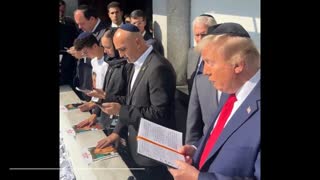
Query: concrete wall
[
  {"x": 171, "y": 25},
  {"x": 71, "y": 5},
  {"x": 244, "y": 12}
]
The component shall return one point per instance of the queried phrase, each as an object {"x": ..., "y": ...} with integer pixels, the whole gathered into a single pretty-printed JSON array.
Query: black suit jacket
[
  {"x": 151, "y": 97},
  {"x": 115, "y": 86}
]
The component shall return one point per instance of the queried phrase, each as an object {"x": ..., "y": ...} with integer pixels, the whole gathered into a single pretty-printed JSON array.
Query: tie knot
[{"x": 232, "y": 98}]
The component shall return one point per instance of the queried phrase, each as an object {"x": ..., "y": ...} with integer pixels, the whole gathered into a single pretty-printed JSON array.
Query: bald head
[{"x": 130, "y": 45}]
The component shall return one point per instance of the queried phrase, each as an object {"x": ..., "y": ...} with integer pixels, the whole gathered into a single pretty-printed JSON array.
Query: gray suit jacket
[
  {"x": 193, "y": 60},
  {"x": 202, "y": 105},
  {"x": 151, "y": 97}
]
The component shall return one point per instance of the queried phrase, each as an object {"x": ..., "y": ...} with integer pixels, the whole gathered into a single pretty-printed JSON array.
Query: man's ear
[
  {"x": 138, "y": 42},
  {"x": 238, "y": 67}
]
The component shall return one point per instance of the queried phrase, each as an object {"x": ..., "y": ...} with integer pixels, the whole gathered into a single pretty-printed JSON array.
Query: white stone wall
[{"x": 244, "y": 12}]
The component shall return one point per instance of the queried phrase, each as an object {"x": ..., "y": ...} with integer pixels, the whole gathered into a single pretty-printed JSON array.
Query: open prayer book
[{"x": 159, "y": 143}]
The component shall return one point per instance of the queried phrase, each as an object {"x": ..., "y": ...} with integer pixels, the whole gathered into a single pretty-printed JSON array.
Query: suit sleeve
[
  {"x": 194, "y": 119},
  {"x": 216, "y": 176},
  {"x": 161, "y": 87}
]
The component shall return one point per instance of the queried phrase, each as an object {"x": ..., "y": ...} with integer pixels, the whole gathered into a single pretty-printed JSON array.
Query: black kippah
[
  {"x": 208, "y": 15},
  {"x": 129, "y": 27},
  {"x": 233, "y": 29}
]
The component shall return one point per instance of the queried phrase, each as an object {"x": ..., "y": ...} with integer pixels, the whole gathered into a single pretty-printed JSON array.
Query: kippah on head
[
  {"x": 129, "y": 27},
  {"x": 208, "y": 15},
  {"x": 84, "y": 35},
  {"x": 233, "y": 29}
]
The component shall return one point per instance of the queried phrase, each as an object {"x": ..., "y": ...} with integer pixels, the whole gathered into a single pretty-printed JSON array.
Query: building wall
[
  {"x": 171, "y": 27},
  {"x": 71, "y": 5},
  {"x": 244, "y": 12}
]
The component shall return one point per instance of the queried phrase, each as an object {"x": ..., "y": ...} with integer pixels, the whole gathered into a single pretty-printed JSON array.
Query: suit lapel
[
  {"x": 140, "y": 75},
  {"x": 247, "y": 108},
  {"x": 99, "y": 31}
]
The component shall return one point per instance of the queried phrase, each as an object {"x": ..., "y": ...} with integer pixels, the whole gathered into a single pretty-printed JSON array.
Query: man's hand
[
  {"x": 75, "y": 53},
  {"x": 111, "y": 108},
  {"x": 99, "y": 93},
  {"x": 107, "y": 141},
  {"x": 188, "y": 151},
  {"x": 184, "y": 172},
  {"x": 86, "y": 106},
  {"x": 89, "y": 121}
]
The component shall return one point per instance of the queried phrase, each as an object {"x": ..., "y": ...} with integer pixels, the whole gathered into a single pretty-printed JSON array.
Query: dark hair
[
  {"x": 137, "y": 13},
  {"x": 61, "y": 2},
  {"x": 109, "y": 34},
  {"x": 88, "y": 11},
  {"x": 87, "y": 41},
  {"x": 114, "y": 4}
]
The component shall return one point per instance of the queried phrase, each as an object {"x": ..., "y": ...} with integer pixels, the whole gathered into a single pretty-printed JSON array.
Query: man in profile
[{"x": 150, "y": 95}]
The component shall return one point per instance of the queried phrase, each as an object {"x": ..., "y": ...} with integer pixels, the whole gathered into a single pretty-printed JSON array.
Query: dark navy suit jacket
[{"x": 236, "y": 154}]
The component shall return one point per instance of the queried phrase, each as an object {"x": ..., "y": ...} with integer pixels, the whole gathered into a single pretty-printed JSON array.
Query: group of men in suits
[
  {"x": 227, "y": 63},
  {"x": 150, "y": 95}
]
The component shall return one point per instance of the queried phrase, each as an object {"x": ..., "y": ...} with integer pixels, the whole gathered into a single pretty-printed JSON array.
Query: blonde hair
[{"x": 233, "y": 48}]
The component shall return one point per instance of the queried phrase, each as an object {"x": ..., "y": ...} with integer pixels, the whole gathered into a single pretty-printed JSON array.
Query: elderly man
[
  {"x": 230, "y": 149},
  {"x": 204, "y": 98},
  {"x": 200, "y": 27},
  {"x": 150, "y": 95}
]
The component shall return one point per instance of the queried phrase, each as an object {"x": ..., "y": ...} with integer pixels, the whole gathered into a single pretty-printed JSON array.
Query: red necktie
[{"x": 224, "y": 114}]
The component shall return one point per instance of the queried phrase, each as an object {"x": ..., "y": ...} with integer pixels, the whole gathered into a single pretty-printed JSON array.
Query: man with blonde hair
[{"x": 230, "y": 149}]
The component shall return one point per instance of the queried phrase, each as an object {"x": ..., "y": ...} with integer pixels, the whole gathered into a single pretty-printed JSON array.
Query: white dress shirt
[
  {"x": 115, "y": 25},
  {"x": 100, "y": 67},
  {"x": 242, "y": 94},
  {"x": 138, "y": 64}
]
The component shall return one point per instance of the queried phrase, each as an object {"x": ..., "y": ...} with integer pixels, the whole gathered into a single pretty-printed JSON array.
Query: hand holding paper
[
  {"x": 99, "y": 93},
  {"x": 111, "y": 108},
  {"x": 75, "y": 53},
  {"x": 188, "y": 151},
  {"x": 86, "y": 106},
  {"x": 184, "y": 171},
  {"x": 83, "y": 90}
]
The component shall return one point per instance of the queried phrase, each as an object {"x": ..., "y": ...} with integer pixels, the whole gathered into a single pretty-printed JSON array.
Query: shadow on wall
[{"x": 157, "y": 31}]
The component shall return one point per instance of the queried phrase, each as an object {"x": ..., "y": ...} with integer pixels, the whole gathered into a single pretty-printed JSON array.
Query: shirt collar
[
  {"x": 248, "y": 86},
  {"x": 95, "y": 27},
  {"x": 115, "y": 25},
  {"x": 142, "y": 58}
]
